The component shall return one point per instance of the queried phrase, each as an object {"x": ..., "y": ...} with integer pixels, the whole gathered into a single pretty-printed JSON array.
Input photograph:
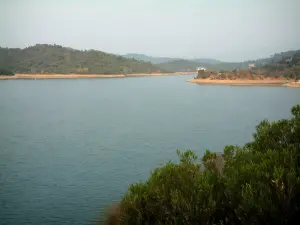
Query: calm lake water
[{"x": 68, "y": 148}]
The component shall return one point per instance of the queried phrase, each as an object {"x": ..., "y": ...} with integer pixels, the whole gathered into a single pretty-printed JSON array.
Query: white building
[
  {"x": 251, "y": 66},
  {"x": 201, "y": 68}
]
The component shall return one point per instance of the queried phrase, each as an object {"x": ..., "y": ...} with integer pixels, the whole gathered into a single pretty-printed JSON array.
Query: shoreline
[
  {"x": 82, "y": 76},
  {"x": 265, "y": 82},
  {"x": 58, "y": 76}
]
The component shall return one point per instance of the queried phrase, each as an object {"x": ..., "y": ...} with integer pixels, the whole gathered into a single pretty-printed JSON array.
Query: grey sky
[{"x": 225, "y": 29}]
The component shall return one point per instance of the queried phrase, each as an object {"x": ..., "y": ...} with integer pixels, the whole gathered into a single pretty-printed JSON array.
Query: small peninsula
[{"x": 285, "y": 72}]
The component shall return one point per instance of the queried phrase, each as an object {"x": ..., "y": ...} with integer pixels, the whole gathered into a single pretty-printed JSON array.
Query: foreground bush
[{"x": 258, "y": 183}]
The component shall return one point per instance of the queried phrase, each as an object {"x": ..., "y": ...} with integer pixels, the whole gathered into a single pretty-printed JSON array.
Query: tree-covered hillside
[
  {"x": 288, "y": 66},
  {"x": 43, "y": 58}
]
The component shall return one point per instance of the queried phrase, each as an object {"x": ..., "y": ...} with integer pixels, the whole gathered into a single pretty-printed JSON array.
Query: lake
[{"x": 68, "y": 148}]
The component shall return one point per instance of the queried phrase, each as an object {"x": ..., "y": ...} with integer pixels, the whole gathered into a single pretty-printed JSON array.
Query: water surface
[{"x": 68, "y": 148}]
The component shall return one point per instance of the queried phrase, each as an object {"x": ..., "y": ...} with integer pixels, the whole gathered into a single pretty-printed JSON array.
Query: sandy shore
[
  {"x": 265, "y": 82},
  {"x": 58, "y": 76},
  {"x": 293, "y": 84},
  {"x": 78, "y": 76}
]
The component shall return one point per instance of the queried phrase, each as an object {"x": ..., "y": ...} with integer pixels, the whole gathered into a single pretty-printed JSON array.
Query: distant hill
[
  {"x": 179, "y": 65},
  {"x": 191, "y": 65},
  {"x": 161, "y": 60},
  {"x": 207, "y": 61},
  {"x": 146, "y": 58},
  {"x": 43, "y": 58}
]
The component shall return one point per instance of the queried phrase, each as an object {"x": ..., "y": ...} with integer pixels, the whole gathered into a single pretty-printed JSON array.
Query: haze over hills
[
  {"x": 190, "y": 65},
  {"x": 160, "y": 60},
  {"x": 154, "y": 60},
  {"x": 181, "y": 64}
]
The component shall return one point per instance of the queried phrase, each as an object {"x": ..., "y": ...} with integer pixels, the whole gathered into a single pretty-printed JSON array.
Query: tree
[{"x": 258, "y": 183}]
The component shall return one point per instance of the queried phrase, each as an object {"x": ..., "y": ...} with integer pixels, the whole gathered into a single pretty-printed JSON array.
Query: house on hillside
[
  {"x": 201, "y": 69},
  {"x": 251, "y": 66}
]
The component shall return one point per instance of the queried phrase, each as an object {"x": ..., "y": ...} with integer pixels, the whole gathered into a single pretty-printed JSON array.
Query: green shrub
[{"x": 258, "y": 183}]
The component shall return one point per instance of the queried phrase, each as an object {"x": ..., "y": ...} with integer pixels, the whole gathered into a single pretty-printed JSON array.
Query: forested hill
[
  {"x": 43, "y": 58},
  {"x": 191, "y": 65}
]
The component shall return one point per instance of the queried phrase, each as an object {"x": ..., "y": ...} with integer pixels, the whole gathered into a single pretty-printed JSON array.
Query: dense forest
[
  {"x": 43, "y": 58},
  {"x": 258, "y": 183}
]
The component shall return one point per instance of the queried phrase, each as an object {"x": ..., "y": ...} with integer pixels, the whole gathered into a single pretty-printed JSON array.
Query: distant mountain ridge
[
  {"x": 146, "y": 58},
  {"x": 180, "y": 64},
  {"x": 160, "y": 60}
]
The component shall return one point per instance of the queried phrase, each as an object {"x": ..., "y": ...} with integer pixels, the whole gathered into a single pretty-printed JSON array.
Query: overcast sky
[{"x": 230, "y": 30}]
